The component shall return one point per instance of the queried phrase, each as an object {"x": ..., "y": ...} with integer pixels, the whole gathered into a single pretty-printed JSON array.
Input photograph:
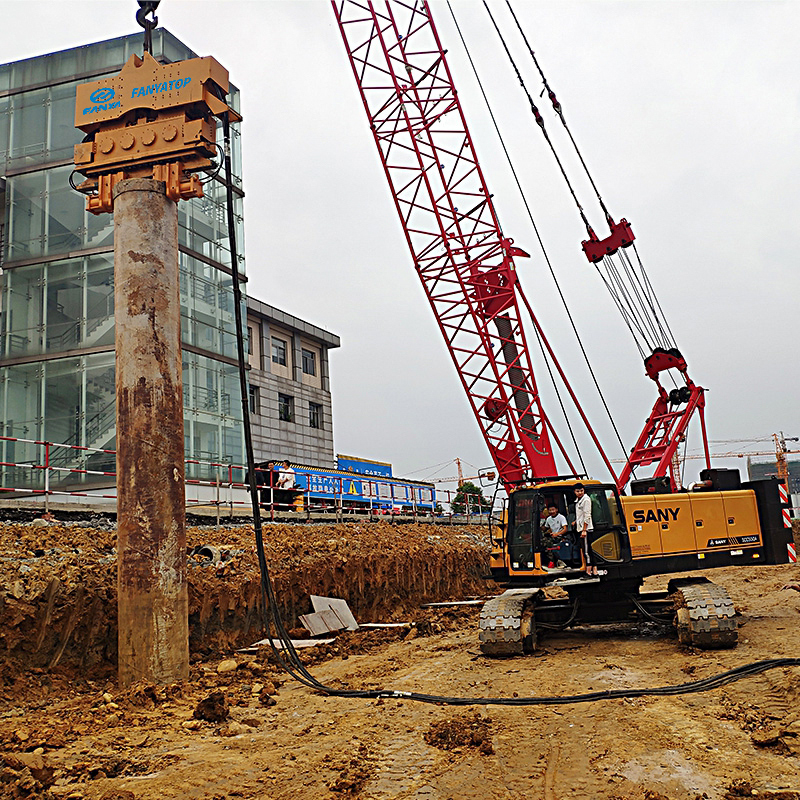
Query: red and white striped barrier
[
  {"x": 783, "y": 493},
  {"x": 792, "y": 553}
]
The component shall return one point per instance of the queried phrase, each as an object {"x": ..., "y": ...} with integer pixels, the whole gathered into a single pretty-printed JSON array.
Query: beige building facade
[{"x": 290, "y": 392}]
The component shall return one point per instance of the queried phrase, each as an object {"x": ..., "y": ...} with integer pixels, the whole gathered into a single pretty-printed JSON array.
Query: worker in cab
[{"x": 559, "y": 547}]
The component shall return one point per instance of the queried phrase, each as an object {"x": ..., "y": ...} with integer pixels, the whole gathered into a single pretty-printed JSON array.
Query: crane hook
[{"x": 147, "y": 7}]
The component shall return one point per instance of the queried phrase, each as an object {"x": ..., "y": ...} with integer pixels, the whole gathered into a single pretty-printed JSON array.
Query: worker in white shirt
[
  {"x": 583, "y": 523},
  {"x": 286, "y": 476}
]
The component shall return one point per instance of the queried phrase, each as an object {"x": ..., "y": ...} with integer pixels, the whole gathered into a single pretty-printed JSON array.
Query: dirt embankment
[{"x": 58, "y": 583}]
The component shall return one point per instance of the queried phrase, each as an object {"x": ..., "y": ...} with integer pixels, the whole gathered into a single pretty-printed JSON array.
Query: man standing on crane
[{"x": 583, "y": 523}]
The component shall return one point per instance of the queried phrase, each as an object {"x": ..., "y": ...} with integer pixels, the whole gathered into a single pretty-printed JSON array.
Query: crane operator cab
[{"x": 536, "y": 544}]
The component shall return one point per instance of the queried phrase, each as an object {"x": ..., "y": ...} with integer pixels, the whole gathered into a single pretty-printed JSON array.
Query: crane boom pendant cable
[{"x": 542, "y": 248}]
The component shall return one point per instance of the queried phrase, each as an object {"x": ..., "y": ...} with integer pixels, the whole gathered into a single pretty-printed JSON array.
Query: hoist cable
[
  {"x": 628, "y": 292},
  {"x": 538, "y": 117},
  {"x": 652, "y": 290},
  {"x": 646, "y": 301},
  {"x": 560, "y": 401},
  {"x": 624, "y": 314},
  {"x": 559, "y": 111},
  {"x": 539, "y": 238},
  {"x": 646, "y": 288}
]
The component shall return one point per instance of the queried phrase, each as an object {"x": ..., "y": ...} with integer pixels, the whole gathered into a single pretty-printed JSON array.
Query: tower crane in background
[
  {"x": 780, "y": 452},
  {"x": 466, "y": 265},
  {"x": 780, "y": 457}
]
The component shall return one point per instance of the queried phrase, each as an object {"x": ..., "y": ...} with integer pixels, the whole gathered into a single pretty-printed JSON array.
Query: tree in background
[{"x": 469, "y": 499}]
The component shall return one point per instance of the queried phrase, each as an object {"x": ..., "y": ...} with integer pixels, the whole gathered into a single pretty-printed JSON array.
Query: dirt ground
[{"x": 66, "y": 731}]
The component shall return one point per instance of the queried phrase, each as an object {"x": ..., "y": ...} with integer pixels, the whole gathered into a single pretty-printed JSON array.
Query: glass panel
[
  {"x": 99, "y": 230},
  {"x": 29, "y": 128},
  {"x": 64, "y": 297},
  {"x": 22, "y": 311},
  {"x": 601, "y": 513},
  {"x": 62, "y": 388},
  {"x": 207, "y": 318},
  {"x": 213, "y": 411},
  {"x": 309, "y": 362},
  {"x": 5, "y": 130},
  {"x": 46, "y": 215},
  {"x": 25, "y": 230},
  {"x": 65, "y": 213},
  {"x": 99, "y": 314},
  {"x": 279, "y": 351},
  {"x": 22, "y": 417},
  {"x": 63, "y": 133}
]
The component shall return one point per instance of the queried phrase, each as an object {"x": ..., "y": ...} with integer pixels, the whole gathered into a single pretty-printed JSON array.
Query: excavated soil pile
[{"x": 58, "y": 582}]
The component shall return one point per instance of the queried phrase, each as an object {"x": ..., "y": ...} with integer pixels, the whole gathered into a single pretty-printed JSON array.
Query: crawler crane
[{"x": 466, "y": 265}]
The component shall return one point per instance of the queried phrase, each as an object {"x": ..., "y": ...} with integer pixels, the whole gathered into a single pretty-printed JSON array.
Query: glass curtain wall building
[{"x": 57, "y": 285}]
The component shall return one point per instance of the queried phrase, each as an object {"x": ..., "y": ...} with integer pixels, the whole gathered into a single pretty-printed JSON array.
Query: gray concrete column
[
  {"x": 266, "y": 347},
  {"x": 152, "y": 591},
  {"x": 297, "y": 359}
]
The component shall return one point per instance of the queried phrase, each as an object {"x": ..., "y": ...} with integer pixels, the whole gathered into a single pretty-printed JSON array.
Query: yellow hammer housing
[{"x": 150, "y": 121}]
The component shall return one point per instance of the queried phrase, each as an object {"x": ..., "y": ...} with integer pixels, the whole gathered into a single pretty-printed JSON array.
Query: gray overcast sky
[{"x": 687, "y": 114}]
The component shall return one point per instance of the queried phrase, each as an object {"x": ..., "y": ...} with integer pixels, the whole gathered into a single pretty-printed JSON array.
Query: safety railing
[{"x": 53, "y": 470}]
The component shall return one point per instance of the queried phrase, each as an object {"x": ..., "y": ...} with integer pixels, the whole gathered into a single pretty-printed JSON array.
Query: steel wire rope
[
  {"x": 558, "y": 110},
  {"x": 644, "y": 281},
  {"x": 639, "y": 293},
  {"x": 624, "y": 314},
  {"x": 546, "y": 258},
  {"x": 655, "y": 296},
  {"x": 648, "y": 295},
  {"x": 537, "y": 115},
  {"x": 558, "y": 395},
  {"x": 647, "y": 329}
]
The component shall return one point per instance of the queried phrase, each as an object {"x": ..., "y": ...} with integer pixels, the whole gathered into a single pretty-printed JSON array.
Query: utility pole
[{"x": 149, "y": 131}]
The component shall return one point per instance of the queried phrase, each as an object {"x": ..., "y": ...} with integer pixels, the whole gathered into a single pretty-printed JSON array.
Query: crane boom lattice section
[{"x": 460, "y": 254}]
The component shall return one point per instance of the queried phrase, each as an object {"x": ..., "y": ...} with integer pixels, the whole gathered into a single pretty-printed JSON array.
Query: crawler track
[
  {"x": 503, "y": 624},
  {"x": 705, "y": 616}
]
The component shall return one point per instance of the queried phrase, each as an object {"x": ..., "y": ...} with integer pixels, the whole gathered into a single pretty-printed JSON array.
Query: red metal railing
[{"x": 226, "y": 489}]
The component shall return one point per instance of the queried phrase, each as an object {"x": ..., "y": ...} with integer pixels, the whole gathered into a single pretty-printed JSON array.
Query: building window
[
  {"x": 279, "y": 351},
  {"x": 285, "y": 407},
  {"x": 254, "y": 400},
  {"x": 309, "y": 362},
  {"x": 315, "y": 415},
  {"x": 249, "y": 341}
]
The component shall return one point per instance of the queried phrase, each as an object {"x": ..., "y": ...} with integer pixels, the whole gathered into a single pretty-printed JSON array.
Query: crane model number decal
[
  {"x": 732, "y": 540},
  {"x": 659, "y": 515}
]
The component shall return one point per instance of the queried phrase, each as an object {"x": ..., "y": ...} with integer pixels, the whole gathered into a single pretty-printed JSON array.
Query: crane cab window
[
  {"x": 524, "y": 529},
  {"x": 605, "y": 507}
]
